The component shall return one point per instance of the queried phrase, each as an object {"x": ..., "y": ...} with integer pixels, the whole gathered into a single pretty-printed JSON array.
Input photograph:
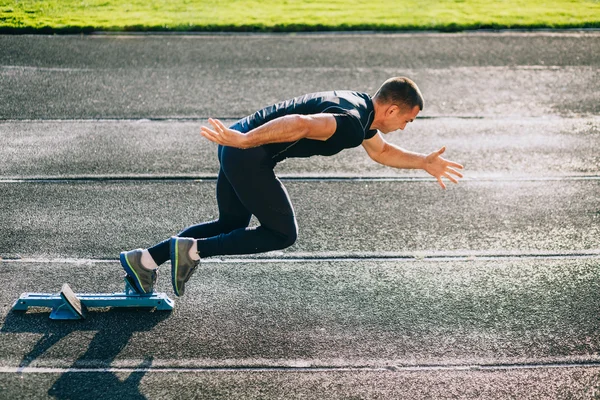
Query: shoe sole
[
  {"x": 131, "y": 273},
  {"x": 174, "y": 264}
]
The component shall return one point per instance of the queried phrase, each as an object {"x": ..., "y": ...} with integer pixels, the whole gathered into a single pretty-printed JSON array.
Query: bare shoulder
[{"x": 320, "y": 126}]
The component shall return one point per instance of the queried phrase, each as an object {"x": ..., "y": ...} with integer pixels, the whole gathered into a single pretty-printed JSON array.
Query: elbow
[
  {"x": 374, "y": 157},
  {"x": 301, "y": 125},
  {"x": 379, "y": 157}
]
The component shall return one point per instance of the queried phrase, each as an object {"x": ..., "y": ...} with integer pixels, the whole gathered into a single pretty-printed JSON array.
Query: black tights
[{"x": 246, "y": 186}]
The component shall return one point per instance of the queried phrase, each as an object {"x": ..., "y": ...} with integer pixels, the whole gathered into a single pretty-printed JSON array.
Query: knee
[{"x": 288, "y": 236}]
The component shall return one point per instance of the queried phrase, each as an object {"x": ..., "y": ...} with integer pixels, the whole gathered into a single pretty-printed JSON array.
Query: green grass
[{"x": 62, "y": 16}]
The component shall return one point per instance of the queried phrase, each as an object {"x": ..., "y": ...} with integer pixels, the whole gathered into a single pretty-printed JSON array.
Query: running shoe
[
  {"x": 143, "y": 278},
  {"x": 182, "y": 266}
]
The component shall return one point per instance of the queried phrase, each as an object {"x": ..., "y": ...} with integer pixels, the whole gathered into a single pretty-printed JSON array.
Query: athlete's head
[{"x": 397, "y": 102}]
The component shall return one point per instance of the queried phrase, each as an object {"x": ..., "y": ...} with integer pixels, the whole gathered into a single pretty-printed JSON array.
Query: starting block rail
[{"x": 69, "y": 305}]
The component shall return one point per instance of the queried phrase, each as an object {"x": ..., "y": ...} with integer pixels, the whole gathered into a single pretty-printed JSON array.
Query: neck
[{"x": 377, "y": 118}]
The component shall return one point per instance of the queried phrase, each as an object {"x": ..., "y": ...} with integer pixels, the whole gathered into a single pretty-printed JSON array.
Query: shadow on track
[{"x": 114, "y": 329}]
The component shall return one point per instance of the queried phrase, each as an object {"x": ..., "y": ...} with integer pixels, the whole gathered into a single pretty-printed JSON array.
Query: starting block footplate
[{"x": 69, "y": 305}]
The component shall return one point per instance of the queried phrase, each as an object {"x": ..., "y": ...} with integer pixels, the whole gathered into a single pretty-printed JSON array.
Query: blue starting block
[{"x": 68, "y": 305}]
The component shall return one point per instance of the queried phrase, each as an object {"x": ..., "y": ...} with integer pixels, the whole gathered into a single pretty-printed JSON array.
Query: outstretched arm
[
  {"x": 393, "y": 156},
  {"x": 289, "y": 128}
]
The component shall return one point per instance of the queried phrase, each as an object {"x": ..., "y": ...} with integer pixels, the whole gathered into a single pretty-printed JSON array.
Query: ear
[{"x": 392, "y": 110}]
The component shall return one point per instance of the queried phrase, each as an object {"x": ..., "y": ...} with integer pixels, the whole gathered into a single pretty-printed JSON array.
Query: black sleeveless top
[{"x": 353, "y": 112}]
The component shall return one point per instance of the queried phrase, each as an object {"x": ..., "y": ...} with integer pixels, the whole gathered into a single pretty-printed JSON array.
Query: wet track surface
[{"x": 395, "y": 288}]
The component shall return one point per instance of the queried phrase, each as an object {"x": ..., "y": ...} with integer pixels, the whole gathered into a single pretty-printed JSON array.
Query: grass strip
[{"x": 76, "y": 16}]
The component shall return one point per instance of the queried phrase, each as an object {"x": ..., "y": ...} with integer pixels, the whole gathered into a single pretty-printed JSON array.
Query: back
[{"x": 354, "y": 114}]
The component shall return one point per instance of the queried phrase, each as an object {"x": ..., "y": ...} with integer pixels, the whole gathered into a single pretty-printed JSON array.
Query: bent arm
[
  {"x": 288, "y": 128},
  {"x": 291, "y": 128}
]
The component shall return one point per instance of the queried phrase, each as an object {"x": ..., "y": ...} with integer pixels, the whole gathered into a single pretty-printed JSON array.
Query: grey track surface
[
  {"x": 489, "y": 148},
  {"x": 322, "y": 314},
  {"x": 547, "y": 384},
  {"x": 100, "y": 219},
  {"x": 197, "y": 76},
  {"x": 100, "y": 153}
]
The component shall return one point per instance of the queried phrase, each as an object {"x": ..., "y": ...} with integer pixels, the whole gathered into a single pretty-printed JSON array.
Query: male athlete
[{"x": 315, "y": 124}]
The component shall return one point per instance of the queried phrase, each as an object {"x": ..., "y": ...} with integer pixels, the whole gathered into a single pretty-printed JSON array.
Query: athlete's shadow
[{"x": 114, "y": 329}]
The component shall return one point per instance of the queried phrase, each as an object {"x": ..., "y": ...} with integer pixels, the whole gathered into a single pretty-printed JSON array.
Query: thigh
[
  {"x": 250, "y": 173},
  {"x": 231, "y": 209}
]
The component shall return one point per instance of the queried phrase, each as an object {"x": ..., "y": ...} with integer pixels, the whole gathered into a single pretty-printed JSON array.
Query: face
[{"x": 397, "y": 118}]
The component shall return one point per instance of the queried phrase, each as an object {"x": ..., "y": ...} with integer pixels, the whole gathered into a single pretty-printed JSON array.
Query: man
[{"x": 315, "y": 124}]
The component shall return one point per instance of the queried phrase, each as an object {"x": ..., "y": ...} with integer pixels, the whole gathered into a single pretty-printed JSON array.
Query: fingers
[
  {"x": 449, "y": 163},
  {"x": 222, "y": 125},
  {"x": 455, "y": 172},
  {"x": 455, "y": 165},
  {"x": 205, "y": 131},
  {"x": 222, "y": 135},
  {"x": 450, "y": 177},
  {"x": 218, "y": 135},
  {"x": 439, "y": 179},
  {"x": 448, "y": 174},
  {"x": 216, "y": 124},
  {"x": 210, "y": 135}
]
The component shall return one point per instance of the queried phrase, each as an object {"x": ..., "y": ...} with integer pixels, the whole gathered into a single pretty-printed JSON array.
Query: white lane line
[
  {"x": 501, "y": 68},
  {"x": 296, "y": 178},
  {"x": 341, "y": 257},
  {"x": 43, "y": 69},
  {"x": 283, "y": 368}
]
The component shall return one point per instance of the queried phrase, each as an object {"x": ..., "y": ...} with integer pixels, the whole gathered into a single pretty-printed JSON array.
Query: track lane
[
  {"x": 550, "y": 384},
  {"x": 495, "y": 148},
  {"x": 376, "y": 314},
  {"x": 100, "y": 219}
]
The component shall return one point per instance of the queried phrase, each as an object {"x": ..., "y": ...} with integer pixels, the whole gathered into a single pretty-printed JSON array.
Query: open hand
[
  {"x": 439, "y": 167},
  {"x": 223, "y": 135}
]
